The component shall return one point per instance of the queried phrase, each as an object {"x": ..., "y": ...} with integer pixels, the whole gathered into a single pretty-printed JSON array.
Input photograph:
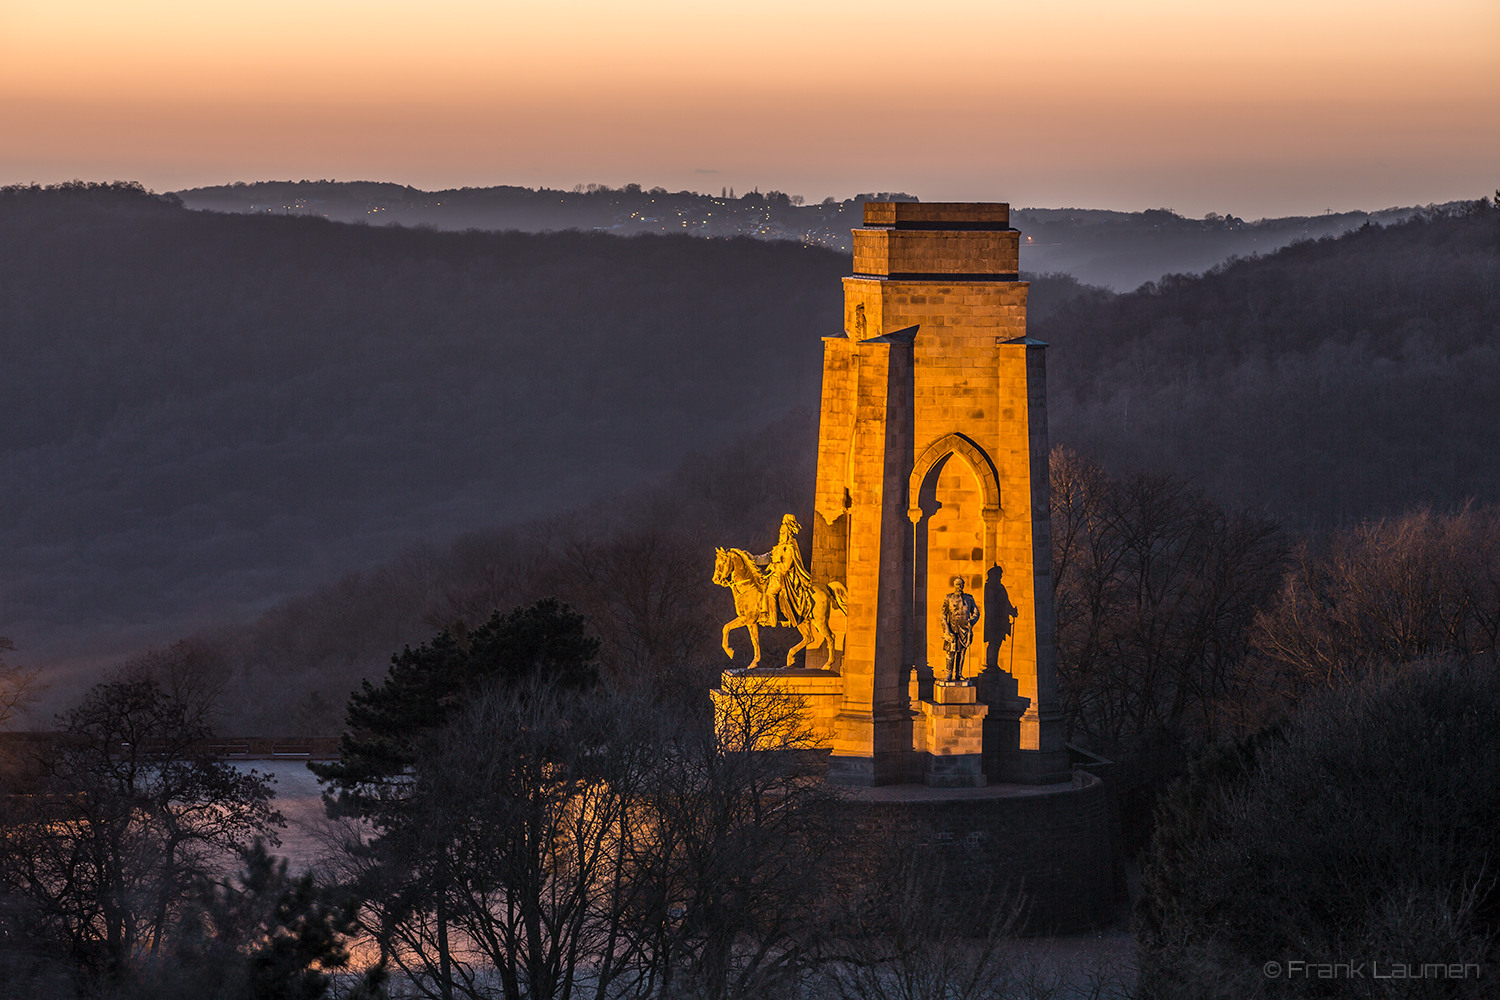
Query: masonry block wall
[
  {"x": 932, "y": 463},
  {"x": 1051, "y": 848}
]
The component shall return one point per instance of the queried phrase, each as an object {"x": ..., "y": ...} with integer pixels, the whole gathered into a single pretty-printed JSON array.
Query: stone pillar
[
  {"x": 834, "y": 491},
  {"x": 872, "y": 737},
  {"x": 933, "y": 462},
  {"x": 1027, "y": 749}
]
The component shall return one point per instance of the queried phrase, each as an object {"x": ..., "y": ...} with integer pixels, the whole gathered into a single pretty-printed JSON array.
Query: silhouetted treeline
[
  {"x": 1329, "y": 382},
  {"x": 1305, "y": 737},
  {"x": 1182, "y": 621},
  {"x": 117, "y": 840},
  {"x": 1346, "y": 851},
  {"x": 541, "y": 821},
  {"x": 504, "y": 823}
]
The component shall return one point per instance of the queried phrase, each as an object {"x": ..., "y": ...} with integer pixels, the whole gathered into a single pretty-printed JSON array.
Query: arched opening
[
  {"x": 955, "y": 514},
  {"x": 951, "y": 542}
]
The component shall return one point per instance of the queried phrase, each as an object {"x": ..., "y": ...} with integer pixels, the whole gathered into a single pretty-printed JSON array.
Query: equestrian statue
[{"x": 776, "y": 585}]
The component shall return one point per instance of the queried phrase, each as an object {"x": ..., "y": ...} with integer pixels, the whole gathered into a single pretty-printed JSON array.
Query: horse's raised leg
[
  {"x": 750, "y": 626},
  {"x": 791, "y": 654}
]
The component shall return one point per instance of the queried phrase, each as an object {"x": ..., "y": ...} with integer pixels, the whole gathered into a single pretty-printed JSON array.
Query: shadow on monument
[{"x": 999, "y": 620}]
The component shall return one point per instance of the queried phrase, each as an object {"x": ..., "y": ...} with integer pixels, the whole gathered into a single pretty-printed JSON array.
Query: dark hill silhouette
[
  {"x": 205, "y": 412},
  {"x": 1332, "y": 381}
]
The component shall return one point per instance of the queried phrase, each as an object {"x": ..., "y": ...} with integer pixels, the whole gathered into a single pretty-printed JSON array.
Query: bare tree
[
  {"x": 606, "y": 844},
  {"x": 903, "y": 939},
  {"x": 1155, "y": 588},
  {"x": 132, "y": 813},
  {"x": 1386, "y": 592},
  {"x": 527, "y": 791},
  {"x": 648, "y": 595},
  {"x": 750, "y": 839},
  {"x": 190, "y": 671},
  {"x": 18, "y": 685}
]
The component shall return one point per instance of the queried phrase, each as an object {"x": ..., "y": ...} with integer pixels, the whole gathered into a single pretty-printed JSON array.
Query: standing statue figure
[
  {"x": 959, "y": 613},
  {"x": 787, "y": 580}
]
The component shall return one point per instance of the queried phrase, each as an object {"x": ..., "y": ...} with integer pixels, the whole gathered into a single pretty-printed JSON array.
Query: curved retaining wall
[{"x": 1050, "y": 843}]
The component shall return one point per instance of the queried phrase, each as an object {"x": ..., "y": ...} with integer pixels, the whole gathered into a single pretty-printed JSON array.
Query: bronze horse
[{"x": 736, "y": 569}]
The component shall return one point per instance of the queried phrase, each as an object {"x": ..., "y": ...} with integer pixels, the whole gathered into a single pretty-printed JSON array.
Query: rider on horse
[
  {"x": 783, "y": 583},
  {"x": 787, "y": 580}
]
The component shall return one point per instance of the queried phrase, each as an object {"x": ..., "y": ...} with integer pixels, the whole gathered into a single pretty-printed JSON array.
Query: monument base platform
[
  {"x": 950, "y": 739},
  {"x": 949, "y": 736},
  {"x": 1029, "y": 767},
  {"x": 1046, "y": 847}
]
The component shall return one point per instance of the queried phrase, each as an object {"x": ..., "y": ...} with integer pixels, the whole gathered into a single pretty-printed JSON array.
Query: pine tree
[
  {"x": 391, "y": 726},
  {"x": 424, "y": 688},
  {"x": 267, "y": 936}
]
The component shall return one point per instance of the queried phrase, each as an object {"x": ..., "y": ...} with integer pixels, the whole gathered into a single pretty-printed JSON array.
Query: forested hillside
[
  {"x": 208, "y": 414},
  {"x": 1332, "y": 381},
  {"x": 203, "y": 413}
]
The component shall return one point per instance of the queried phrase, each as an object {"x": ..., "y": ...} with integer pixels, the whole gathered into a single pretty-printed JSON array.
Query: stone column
[
  {"x": 873, "y": 734},
  {"x": 1039, "y": 756}
]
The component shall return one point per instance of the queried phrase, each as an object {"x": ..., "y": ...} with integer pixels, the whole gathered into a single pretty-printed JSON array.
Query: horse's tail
[{"x": 840, "y": 595}]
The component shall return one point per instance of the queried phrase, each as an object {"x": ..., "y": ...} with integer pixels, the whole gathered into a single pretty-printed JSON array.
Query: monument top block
[
  {"x": 910, "y": 241},
  {"x": 970, "y": 216}
]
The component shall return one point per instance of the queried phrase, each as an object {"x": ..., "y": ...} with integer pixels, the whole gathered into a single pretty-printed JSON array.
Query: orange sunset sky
[{"x": 1269, "y": 108}]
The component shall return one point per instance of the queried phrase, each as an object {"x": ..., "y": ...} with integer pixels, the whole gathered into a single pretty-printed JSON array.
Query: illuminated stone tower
[{"x": 932, "y": 464}]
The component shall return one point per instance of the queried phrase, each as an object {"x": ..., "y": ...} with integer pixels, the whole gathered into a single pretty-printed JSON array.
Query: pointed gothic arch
[
  {"x": 922, "y": 489},
  {"x": 971, "y": 453}
]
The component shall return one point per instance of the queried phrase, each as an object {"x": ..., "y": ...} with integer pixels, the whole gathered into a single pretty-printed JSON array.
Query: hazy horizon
[{"x": 1281, "y": 109}]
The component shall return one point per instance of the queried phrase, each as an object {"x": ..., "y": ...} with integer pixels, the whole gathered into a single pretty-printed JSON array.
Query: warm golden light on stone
[{"x": 932, "y": 465}]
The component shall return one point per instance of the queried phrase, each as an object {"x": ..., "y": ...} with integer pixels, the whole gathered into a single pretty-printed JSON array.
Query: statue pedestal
[{"x": 949, "y": 733}]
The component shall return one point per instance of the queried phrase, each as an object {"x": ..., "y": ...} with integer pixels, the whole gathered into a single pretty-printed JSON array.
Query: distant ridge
[{"x": 1119, "y": 250}]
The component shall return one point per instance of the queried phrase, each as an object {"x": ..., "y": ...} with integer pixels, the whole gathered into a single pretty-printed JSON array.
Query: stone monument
[{"x": 931, "y": 488}]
